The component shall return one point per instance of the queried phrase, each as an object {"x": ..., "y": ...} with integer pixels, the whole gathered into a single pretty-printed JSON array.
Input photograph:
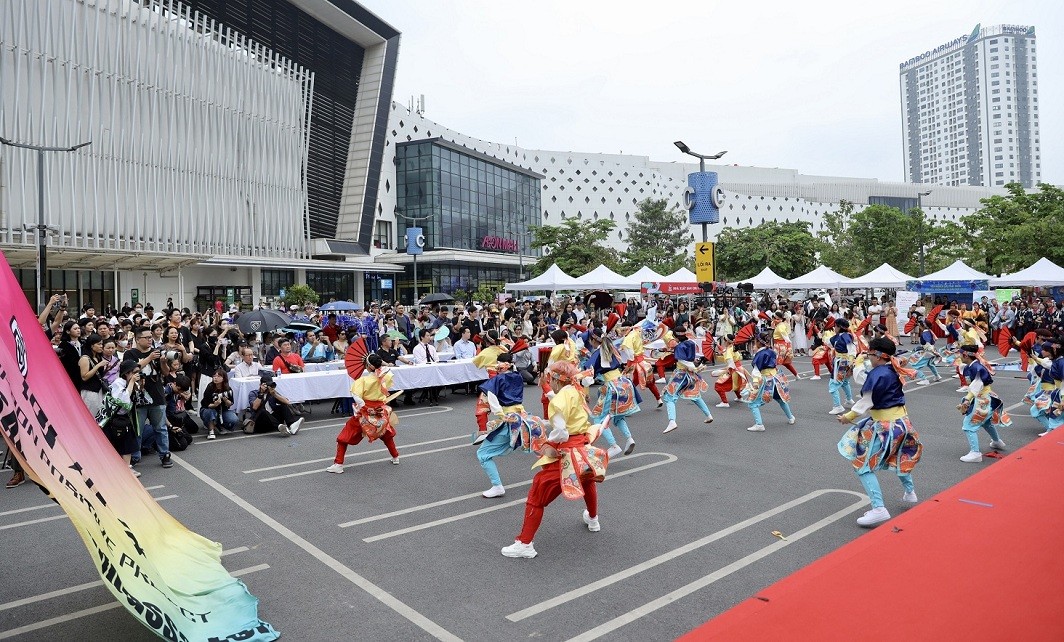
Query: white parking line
[
  {"x": 669, "y": 598},
  {"x": 226, "y": 439},
  {"x": 364, "y": 463},
  {"x": 355, "y": 454},
  {"x": 82, "y": 587},
  {"x": 386, "y": 598},
  {"x": 63, "y": 516},
  {"x": 43, "y": 624},
  {"x": 495, "y": 507},
  {"x": 569, "y": 596},
  {"x": 54, "y": 505}
]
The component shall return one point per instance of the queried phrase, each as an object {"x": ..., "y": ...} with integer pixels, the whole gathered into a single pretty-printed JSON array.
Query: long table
[{"x": 330, "y": 384}]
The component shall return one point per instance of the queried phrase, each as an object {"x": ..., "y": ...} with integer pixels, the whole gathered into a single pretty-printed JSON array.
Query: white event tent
[
  {"x": 683, "y": 275},
  {"x": 822, "y": 277},
  {"x": 884, "y": 276},
  {"x": 553, "y": 279},
  {"x": 766, "y": 280},
  {"x": 1043, "y": 274},
  {"x": 603, "y": 278},
  {"x": 957, "y": 271},
  {"x": 646, "y": 275}
]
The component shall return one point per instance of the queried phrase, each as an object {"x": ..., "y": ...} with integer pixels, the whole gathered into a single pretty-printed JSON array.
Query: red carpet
[{"x": 944, "y": 570}]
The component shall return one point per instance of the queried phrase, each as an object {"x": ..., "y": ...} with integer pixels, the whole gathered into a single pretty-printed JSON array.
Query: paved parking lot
[{"x": 411, "y": 552}]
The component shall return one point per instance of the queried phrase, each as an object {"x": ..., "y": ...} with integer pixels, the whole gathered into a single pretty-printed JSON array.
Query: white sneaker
[
  {"x": 1043, "y": 434},
  {"x": 136, "y": 473},
  {"x": 517, "y": 549},
  {"x": 629, "y": 447},
  {"x": 395, "y": 461},
  {"x": 973, "y": 457},
  {"x": 962, "y": 389},
  {"x": 210, "y": 435},
  {"x": 659, "y": 380},
  {"x": 849, "y": 403},
  {"x": 613, "y": 451},
  {"x": 660, "y": 404},
  {"x": 294, "y": 428},
  {"x": 494, "y": 491},
  {"x": 756, "y": 428},
  {"x": 837, "y": 410},
  {"x": 923, "y": 382},
  {"x": 335, "y": 468},
  {"x": 955, "y": 377},
  {"x": 873, "y": 517},
  {"x": 671, "y": 427},
  {"x": 283, "y": 429},
  {"x": 815, "y": 378},
  {"x": 791, "y": 421},
  {"x": 480, "y": 438},
  {"x": 592, "y": 524},
  {"x": 997, "y": 444},
  {"x": 910, "y": 497},
  {"x": 938, "y": 378},
  {"x": 724, "y": 404}
]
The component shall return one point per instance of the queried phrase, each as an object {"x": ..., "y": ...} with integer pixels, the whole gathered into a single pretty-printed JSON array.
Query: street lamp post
[
  {"x": 920, "y": 205},
  {"x": 702, "y": 158},
  {"x": 412, "y": 219},
  {"x": 42, "y": 229}
]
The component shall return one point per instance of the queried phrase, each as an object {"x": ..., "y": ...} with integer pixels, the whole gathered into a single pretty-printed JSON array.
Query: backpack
[{"x": 179, "y": 439}]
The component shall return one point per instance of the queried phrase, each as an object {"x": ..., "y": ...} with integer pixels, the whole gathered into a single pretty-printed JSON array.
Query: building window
[
  {"x": 274, "y": 280},
  {"x": 382, "y": 235},
  {"x": 338, "y": 286}
]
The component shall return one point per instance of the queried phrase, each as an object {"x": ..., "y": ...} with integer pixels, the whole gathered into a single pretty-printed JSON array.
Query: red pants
[
  {"x": 546, "y": 487},
  {"x": 723, "y": 388},
  {"x": 823, "y": 360},
  {"x": 352, "y": 434},
  {"x": 663, "y": 363}
]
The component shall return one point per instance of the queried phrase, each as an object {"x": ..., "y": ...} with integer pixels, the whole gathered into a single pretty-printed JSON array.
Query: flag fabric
[{"x": 168, "y": 577}]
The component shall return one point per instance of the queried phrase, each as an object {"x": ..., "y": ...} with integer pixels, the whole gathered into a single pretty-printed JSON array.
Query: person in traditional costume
[
  {"x": 373, "y": 416},
  {"x": 509, "y": 426},
  {"x": 845, "y": 349},
  {"x": 685, "y": 380},
  {"x": 570, "y": 465},
  {"x": 565, "y": 349},
  {"x": 633, "y": 351},
  {"x": 1047, "y": 377},
  {"x": 732, "y": 377},
  {"x": 926, "y": 356},
  {"x": 616, "y": 397},
  {"x": 982, "y": 408},
  {"x": 822, "y": 352},
  {"x": 768, "y": 382},
  {"x": 781, "y": 341},
  {"x": 886, "y": 440},
  {"x": 970, "y": 335},
  {"x": 486, "y": 360}
]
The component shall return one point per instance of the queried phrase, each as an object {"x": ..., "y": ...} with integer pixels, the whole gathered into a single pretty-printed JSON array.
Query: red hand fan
[
  {"x": 355, "y": 357},
  {"x": 745, "y": 334},
  {"x": 910, "y": 325},
  {"x": 932, "y": 317},
  {"x": 1004, "y": 341}
]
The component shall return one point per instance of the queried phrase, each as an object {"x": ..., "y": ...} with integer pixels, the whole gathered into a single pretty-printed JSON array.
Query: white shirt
[
  {"x": 244, "y": 369},
  {"x": 465, "y": 349},
  {"x": 420, "y": 356}
]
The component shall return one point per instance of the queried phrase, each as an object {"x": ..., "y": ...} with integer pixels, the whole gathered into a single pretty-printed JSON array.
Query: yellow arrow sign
[{"x": 704, "y": 262}]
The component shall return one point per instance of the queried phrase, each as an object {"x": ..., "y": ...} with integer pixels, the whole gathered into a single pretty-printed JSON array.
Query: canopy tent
[
  {"x": 1043, "y": 274},
  {"x": 603, "y": 278},
  {"x": 884, "y": 276},
  {"x": 822, "y": 277},
  {"x": 957, "y": 277},
  {"x": 646, "y": 275},
  {"x": 553, "y": 279},
  {"x": 766, "y": 280},
  {"x": 683, "y": 275}
]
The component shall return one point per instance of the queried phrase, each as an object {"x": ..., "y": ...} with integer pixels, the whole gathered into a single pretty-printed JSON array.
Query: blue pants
[
  {"x": 926, "y": 362},
  {"x": 755, "y": 409},
  {"x": 871, "y": 483},
  {"x": 622, "y": 424},
  {"x": 152, "y": 422},
  {"x": 971, "y": 431},
  {"x": 670, "y": 405},
  {"x": 835, "y": 386},
  {"x": 496, "y": 445},
  {"x": 210, "y": 415}
]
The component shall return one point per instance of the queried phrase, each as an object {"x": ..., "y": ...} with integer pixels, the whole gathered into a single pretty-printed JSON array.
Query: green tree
[
  {"x": 1011, "y": 232},
  {"x": 788, "y": 248},
  {"x": 300, "y": 295},
  {"x": 576, "y": 246},
  {"x": 836, "y": 241},
  {"x": 883, "y": 234},
  {"x": 658, "y": 237}
]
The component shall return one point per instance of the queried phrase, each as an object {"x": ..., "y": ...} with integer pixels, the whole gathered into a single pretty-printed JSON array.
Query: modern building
[
  {"x": 236, "y": 147},
  {"x": 970, "y": 110}
]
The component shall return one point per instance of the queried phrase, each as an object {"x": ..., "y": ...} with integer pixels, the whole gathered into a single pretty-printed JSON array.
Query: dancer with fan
[
  {"x": 822, "y": 353},
  {"x": 1047, "y": 378},
  {"x": 565, "y": 349},
  {"x": 845, "y": 349},
  {"x": 373, "y": 416},
  {"x": 634, "y": 352},
  {"x": 982, "y": 408},
  {"x": 685, "y": 380},
  {"x": 616, "y": 399},
  {"x": 926, "y": 356},
  {"x": 885, "y": 440},
  {"x": 509, "y": 427},
  {"x": 486, "y": 359},
  {"x": 768, "y": 381},
  {"x": 781, "y": 341},
  {"x": 732, "y": 377}
]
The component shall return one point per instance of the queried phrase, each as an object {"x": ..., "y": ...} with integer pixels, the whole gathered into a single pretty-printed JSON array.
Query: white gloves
[{"x": 550, "y": 395}]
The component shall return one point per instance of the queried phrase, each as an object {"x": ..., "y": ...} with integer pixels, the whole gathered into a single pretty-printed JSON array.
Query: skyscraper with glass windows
[{"x": 970, "y": 110}]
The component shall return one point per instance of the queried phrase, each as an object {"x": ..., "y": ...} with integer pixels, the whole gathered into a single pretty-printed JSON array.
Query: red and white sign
[
  {"x": 498, "y": 243},
  {"x": 670, "y": 288}
]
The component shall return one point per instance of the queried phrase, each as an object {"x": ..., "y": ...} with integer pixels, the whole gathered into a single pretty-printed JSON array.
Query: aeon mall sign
[{"x": 498, "y": 244}]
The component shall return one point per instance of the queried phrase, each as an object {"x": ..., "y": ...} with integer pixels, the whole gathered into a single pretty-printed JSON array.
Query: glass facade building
[{"x": 474, "y": 203}]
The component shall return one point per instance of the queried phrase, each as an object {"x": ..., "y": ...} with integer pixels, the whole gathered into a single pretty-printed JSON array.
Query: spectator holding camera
[
  {"x": 150, "y": 404},
  {"x": 178, "y": 398},
  {"x": 271, "y": 411},
  {"x": 314, "y": 351},
  {"x": 216, "y": 405},
  {"x": 92, "y": 366},
  {"x": 287, "y": 361}
]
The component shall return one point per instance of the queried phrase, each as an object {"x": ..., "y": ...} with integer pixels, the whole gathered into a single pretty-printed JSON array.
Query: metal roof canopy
[{"x": 63, "y": 258}]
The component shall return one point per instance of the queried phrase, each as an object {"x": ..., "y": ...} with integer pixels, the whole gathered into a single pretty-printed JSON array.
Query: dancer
[
  {"x": 485, "y": 360},
  {"x": 927, "y": 356},
  {"x": 510, "y": 428},
  {"x": 732, "y": 377},
  {"x": 685, "y": 381},
  {"x": 770, "y": 384},
  {"x": 373, "y": 416},
  {"x": 781, "y": 342},
  {"x": 970, "y": 335},
  {"x": 570, "y": 465},
  {"x": 616, "y": 397},
  {"x": 1047, "y": 376},
  {"x": 565, "y": 349},
  {"x": 845, "y": 349},
  {"x": 982, "y": 408},
  {"x": 886, "y": 440},
  {"x": 634, "y": 352},
  {"x": 822, "y": 353}
]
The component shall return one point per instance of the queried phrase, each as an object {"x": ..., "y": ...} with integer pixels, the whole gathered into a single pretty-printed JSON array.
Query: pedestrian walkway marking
[
  {"x": 494, "y": 507},
  {"x": 354, "y": 454},
  {"x": 574, "y": 594},
  {"x": 226, "y": 438}
]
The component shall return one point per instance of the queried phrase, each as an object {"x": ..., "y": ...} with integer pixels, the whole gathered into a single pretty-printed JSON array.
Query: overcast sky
[{"x": 812, "y": 86}]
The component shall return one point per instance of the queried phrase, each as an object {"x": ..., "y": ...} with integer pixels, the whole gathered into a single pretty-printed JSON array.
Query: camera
[{"x": 170, "y": 355}]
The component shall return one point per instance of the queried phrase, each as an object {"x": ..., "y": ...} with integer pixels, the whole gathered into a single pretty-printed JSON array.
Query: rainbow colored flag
[{"x": 168, "y": 577}]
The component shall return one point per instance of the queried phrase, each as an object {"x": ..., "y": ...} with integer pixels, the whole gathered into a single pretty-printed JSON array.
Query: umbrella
[
  {"x": 600, "y": 300},
  {"x": 301, "y": 326},
  {"x": 335, "y": 306},
  {"x": 438, "y": 297},
  {"x": 355, "y": 357},
  {"x": 262, "y": 320}
]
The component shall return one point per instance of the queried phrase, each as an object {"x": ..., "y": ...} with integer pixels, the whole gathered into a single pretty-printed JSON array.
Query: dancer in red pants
[
  {"x": 822, "y": 354},
  {"x": 373, "y": 417},
  {"x": 570, "y": 465},
  {"x": 732, "y": 377}
]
